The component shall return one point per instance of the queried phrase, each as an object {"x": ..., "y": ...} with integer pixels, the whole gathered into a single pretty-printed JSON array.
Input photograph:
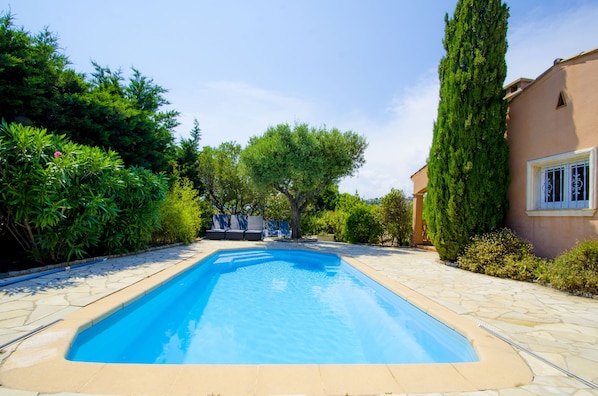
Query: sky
[{"x": 239, "y": 67}]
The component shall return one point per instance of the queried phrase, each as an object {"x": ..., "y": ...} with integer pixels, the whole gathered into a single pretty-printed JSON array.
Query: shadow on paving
[{"x": 99, "y": 268}]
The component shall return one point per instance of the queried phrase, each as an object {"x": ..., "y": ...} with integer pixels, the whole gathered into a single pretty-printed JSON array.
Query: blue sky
[{"x": 241, "y": 66}]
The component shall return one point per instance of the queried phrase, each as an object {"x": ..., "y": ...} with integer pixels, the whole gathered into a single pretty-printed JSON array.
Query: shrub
[
  {"x": 577, "y": 269},
  {"x": 207, "y": 210},
  {"x": 277, "y": 208},
  {"x": 180, "y": 214},
  {"x": 61, "y": 200},
  {"x": 56, "y": 196},
  {"x": 311, "y": 224},
  {"x": 396, "y": 217},
  {"x": 323, "y": 223},
  {"x": 500, "y": 253},
  {"x": 138, "y": 198},
  {"x": 362, "y": 225},
  {"x": 337, "y": 222}
]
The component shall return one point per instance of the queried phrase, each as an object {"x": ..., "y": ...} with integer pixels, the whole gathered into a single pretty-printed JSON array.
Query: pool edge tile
[
  {"x": 289, "y": 379},
  {"x": 215, "y": 379},
  {"x": 359, "y": 379},
  {"x": 416, "y": 378}
]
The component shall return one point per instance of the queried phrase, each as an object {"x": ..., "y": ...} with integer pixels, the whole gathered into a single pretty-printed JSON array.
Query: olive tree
[{"x": 301, "y": 161}]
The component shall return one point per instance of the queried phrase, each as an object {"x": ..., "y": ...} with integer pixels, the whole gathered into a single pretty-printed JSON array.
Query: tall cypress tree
[{"x": 468, "y": 170}]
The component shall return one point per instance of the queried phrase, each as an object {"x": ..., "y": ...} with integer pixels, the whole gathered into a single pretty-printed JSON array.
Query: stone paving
[{"x": 552, "y": 328}]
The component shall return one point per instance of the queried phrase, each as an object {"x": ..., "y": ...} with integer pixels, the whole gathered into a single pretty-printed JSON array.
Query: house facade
[{"x": 552, "y": 133}]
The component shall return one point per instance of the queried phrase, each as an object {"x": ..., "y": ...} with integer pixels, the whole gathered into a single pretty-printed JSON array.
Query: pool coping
[{"x": 39, "y": 363}]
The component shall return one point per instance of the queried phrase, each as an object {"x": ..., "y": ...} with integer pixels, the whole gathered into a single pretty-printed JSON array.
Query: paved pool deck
[{"x": 551, "y": 331}]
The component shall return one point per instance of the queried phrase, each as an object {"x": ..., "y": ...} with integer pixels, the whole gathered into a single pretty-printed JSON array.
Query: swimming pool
[{"x": 269, "y": 306}]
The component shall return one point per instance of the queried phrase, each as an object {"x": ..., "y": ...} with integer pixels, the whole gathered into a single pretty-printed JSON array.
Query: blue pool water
[{"x": 266, "y": 306}]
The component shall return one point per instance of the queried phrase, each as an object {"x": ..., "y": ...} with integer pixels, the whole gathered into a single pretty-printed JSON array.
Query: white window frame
[{"x": 535, "y": 205}]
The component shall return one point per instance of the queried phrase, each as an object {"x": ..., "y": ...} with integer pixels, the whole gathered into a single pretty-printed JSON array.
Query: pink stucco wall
[{"x": 538, "y": 129}]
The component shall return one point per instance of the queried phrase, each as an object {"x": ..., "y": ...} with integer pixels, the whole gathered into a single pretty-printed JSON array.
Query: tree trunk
[{"x": 296, "y": 219}]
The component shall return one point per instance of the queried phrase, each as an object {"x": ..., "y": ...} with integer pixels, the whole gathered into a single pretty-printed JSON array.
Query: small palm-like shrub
[
  {"x": 577, "y": 269},
  {"x": 180, "y": 214},
  {"x": 500, "y": 253}
]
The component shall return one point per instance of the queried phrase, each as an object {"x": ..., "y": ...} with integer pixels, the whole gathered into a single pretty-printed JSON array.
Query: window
[
  {"x": 562, "y": 185},
  {"x": 561, "y": 101},
  {"x": 566, "y": 186}
]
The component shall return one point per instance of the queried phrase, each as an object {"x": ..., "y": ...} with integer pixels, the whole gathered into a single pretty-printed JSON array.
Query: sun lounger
[
  {"x": 219, "y": 226},
  {"x": 285, "y": 232},
  {"x": 255, "y": 228},
  {"x": 272, "y": 228},
  {"x": 238, "y": 225}
]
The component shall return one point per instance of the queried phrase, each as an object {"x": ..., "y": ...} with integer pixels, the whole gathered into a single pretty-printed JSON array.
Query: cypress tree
[{"x": 468, "y": 170}]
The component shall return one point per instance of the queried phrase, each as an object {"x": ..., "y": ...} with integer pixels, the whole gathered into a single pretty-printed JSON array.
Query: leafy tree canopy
[
  {"x": 301, "y": 161},
  {"x": 225, "y": 182},
  {"x": 37, "y": 88},
  {"x": 187, "y": 158}
]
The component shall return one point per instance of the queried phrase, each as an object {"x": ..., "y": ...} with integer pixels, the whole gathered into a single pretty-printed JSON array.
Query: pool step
[
  {"x": 235, "y": 260},
  {"x": 331, "y": 269}
]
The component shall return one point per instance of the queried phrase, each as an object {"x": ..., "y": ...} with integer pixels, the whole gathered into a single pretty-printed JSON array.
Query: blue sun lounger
[
  {"x": 219, "y": 226},
  {"x": 238, "y": 225},
  {"x": 272, "y": 228},
  {"x": 285, "y": 232},
  {"x": 255, "y": 228}
]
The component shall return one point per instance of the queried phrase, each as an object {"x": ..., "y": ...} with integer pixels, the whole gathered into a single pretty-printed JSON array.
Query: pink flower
[{"x": 57, "y": 154}]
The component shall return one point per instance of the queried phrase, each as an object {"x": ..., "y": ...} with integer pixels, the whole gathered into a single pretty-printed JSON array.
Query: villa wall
[
  {"x": 544, "y": 131},
  {"x": 420, "y": 184},
  {"x": 538, "y": 128}
]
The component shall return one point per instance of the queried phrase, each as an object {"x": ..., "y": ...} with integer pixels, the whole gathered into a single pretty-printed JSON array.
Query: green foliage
[
  {"x": 337, "y": 220},
  {"x": 468, "y": 171},
  {"x": 227, "y": 187},
  {"x": 326, "y": 200},
  {"x": 30, "y": 68},
  {"x": 180, "y": 214},
  {"x": 396, "y": 217},
  {"x": 501, "y": 253},
  {"x": 125, "y": 118},
  {"x": 362, "y": 225},
  {"x": 37, "y": 88},
  {"x": 57, "y": 198},
  {"x": 301, "y": 162},
  {"x": 347, "y": 202},
  {"x": 187, "y": 157},
  {"x": 277, "y": 207},
  {"x": 138, "y": 196},
  {"x": 577, "y": 269},
  {"x": 56, "y": 195}
]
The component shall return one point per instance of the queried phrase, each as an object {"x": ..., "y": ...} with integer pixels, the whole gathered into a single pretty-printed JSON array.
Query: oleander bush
[
  {"x": 139, "y": 198},
  {"x": 60, "y": 200},
  {"x": 576, "y": 270},
  {"x": 501, "y": 253}
]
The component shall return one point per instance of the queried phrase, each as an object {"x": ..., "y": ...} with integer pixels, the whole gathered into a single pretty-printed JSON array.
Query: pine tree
[{"x": 468, "y": 170}]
